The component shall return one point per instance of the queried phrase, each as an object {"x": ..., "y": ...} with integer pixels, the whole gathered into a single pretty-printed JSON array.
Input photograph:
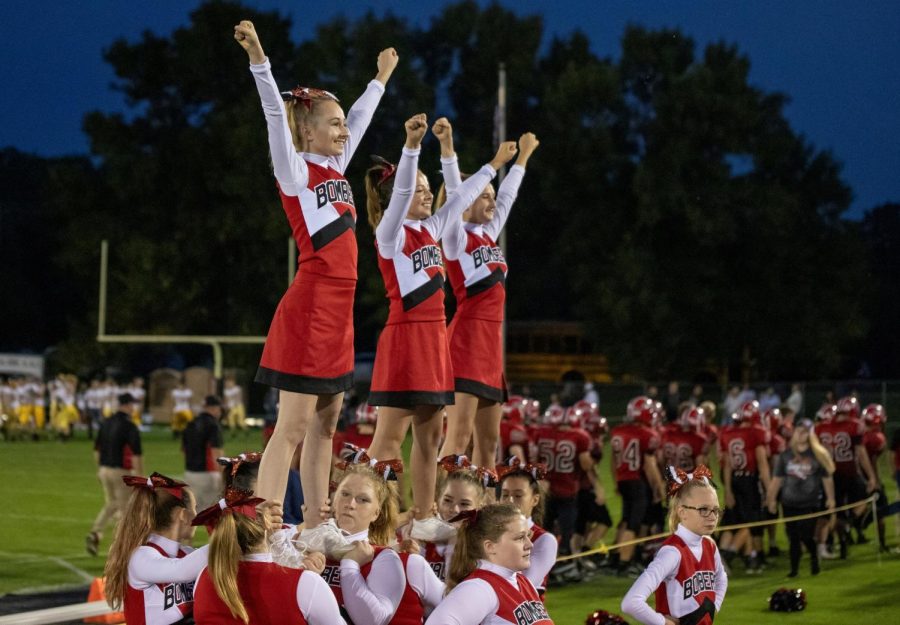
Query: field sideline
[{"x": 50, "y": 496}]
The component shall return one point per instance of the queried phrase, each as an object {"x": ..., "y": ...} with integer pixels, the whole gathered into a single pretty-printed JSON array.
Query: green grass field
[{"x": 50, "y": 496}]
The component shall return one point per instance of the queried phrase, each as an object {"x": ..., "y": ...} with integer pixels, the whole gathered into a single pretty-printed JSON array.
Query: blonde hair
[
  {"x": 298, "y": 116},
  {"x": 235, "y": 535},
  {"x": 148, "y": 510},
  {"x": 822, "y": 455},
  {"x": 683, "y": 493},
  {"x": 381, "y": 530},
  {"x": 441, "y": 198},
  {"x": 466, "y": 476},
  {"x": 489, "y": 524}
]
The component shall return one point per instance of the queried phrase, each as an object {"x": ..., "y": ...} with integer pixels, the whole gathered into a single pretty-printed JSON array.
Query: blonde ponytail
[
  {"x": 235, "y": 536},
  {"x": 147, "y": 510}
]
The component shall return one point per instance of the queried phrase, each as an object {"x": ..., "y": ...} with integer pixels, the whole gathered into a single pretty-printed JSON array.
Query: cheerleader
[
  {"x": 242, "y": 585},
  {"x": 486, "y": 580},
  {"x": 687, "y": 573},
  {"x": 308, "y": 354},
  {"x": 464, "y": 488},
  {"x": 149, "y": 571},
  {"x": 412, "y": 378},
  {"x": 477, "y": 271},
  {"x": 373, "y": 584},
  {"x": 520, "y": 485}
]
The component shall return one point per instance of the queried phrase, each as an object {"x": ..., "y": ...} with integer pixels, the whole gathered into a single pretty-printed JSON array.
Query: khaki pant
[
  {"x": 116, "y": 493},
  {"x": 237, "y": 417},
  {"x": 206, "y": 486}
]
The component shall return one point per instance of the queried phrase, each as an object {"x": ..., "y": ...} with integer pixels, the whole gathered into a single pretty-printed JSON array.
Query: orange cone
[{"x": 96, "y": 593}]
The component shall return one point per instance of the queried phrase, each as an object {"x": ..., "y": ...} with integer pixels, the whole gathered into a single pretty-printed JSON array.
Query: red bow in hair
[
  {"x": 250, "y": 457},
  {"x": 454, "y": 462},
  {"x": 156, "y": 480},
  {"x": 235, "y": 501},
  {"x": 469, "y": 516},
  {"x": 307, "y": 95},
  {"x": 487, "y": 477},
  {"x": 514, "y": 464},
  {"x": 388, "y": 168},
  {"x": 387, "y": 469},
  {"x": 678, "y": 478}
]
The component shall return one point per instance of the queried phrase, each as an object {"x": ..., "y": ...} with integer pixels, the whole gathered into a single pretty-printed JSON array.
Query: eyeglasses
[{"x": 704, "y": 511}]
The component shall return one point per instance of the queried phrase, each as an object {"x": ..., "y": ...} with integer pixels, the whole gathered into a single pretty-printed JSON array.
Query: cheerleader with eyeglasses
[{"x": 686, "y": 574}]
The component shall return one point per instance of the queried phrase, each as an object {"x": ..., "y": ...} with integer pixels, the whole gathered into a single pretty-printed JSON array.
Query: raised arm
[
  {"x": 389, "y": 232},
  {"x": 290, "y": 170},
  {"x": 443, "y": 131},
  {"x": 509, "y": 188},
  {"x": 360, "y": 115},
  {"x": 452, "y": 210}
]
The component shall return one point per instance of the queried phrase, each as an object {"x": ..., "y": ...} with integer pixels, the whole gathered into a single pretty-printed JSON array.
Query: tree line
[{"x": 671, "y": 208}]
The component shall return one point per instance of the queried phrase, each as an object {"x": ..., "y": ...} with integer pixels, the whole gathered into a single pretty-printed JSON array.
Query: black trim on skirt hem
[
  {"x": 410, "y": 399},
  {"x": 478, "y": 389},
  {"x": 304, "y": 383}
]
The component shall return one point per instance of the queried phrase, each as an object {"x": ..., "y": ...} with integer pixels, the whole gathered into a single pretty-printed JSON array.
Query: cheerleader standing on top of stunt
[
  {"x": 308, "y": 353},
  {"x": 149, "y": 570},
  {"x": 242, "y": 585},
  {"x": 477, "y": 271},
  {"x": 412, "y": 378},
  {"x": 687, "y": 573},
  {"x": 486, "y": 580}
]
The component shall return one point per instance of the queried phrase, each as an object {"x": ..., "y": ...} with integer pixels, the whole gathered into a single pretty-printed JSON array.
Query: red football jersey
[
  {"x": 680, "y": 449},
  {"x": 777, "y": 444},
  {"x": 630, "y": 442},
  {"x": 740, "y": 444},
  {"x": 840, "y": 437},
  {"x": 875, "y": 442},
  {"x": 559, "y": 449},
  {"x": 512, "y": 433}
]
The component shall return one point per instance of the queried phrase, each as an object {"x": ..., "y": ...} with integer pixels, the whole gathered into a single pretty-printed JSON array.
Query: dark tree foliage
[{"x": 670, "y": 207}]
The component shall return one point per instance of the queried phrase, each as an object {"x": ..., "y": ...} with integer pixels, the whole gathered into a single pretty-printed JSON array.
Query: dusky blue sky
[{"x": 839, "y": 61}]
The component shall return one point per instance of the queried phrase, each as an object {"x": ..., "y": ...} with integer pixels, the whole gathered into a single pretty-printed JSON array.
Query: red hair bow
[
  {"x": 678, "y": 478},
  {"x": 514, "y": 464},
  {"x": 156, "y": 480},
  {"x": 307, "y": 95},
  {"x": 387, "y": 469},
  {"x": 235, "y": 501},
  {"x": 250, "y": 457},
  {"x": 454, "y": 462},
  {"x": 469, "y": 516},
  {"x": 487, "y": 477},
  {"x": 387, "y": 171}
]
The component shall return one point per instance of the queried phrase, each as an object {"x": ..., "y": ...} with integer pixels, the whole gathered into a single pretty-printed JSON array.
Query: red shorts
[
  {"x": 412, "y": 366},
  {"x": 309, "y": 348},
  {"x": 476, "y": 350}
]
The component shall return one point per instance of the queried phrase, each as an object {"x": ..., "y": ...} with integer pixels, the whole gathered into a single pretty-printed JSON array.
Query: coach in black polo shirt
[
  {"x": 202, "y": 445},
  {"x": 117, "y": 451}
]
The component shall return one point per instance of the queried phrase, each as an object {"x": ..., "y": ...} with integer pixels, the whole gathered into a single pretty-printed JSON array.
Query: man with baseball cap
[
  {"x": 117, "y": 450},
  {"x": 202, "y": 445}
]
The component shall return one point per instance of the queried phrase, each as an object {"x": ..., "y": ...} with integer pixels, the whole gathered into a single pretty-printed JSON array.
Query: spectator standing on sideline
[
  {"x": 731, "y": 404},
  {"x": 117, "y": 451},
  {"x": 769, "y": 400},
  {"x": 590, "y": 394},
  {"x": 202, "y": 445},
  {"x": 795, "y": 400}
]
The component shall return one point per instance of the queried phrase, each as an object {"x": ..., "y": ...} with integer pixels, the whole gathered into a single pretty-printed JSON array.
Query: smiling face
[
  {"x": 325, "y": 131},
  {"x": 513, "y": 549},
  {"x": 356, "y": 505},
  {"x": 482, "y": 209},
  {"x": 517, "y": 490},
  {"x": 457, "y": 497},
  {"x": 420, "y": 206}
]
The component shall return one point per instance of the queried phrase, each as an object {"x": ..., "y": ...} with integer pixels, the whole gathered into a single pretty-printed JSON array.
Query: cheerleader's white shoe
[
  {"x": 326, "y": 538},
  {"x": 432, "y": 530}
]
